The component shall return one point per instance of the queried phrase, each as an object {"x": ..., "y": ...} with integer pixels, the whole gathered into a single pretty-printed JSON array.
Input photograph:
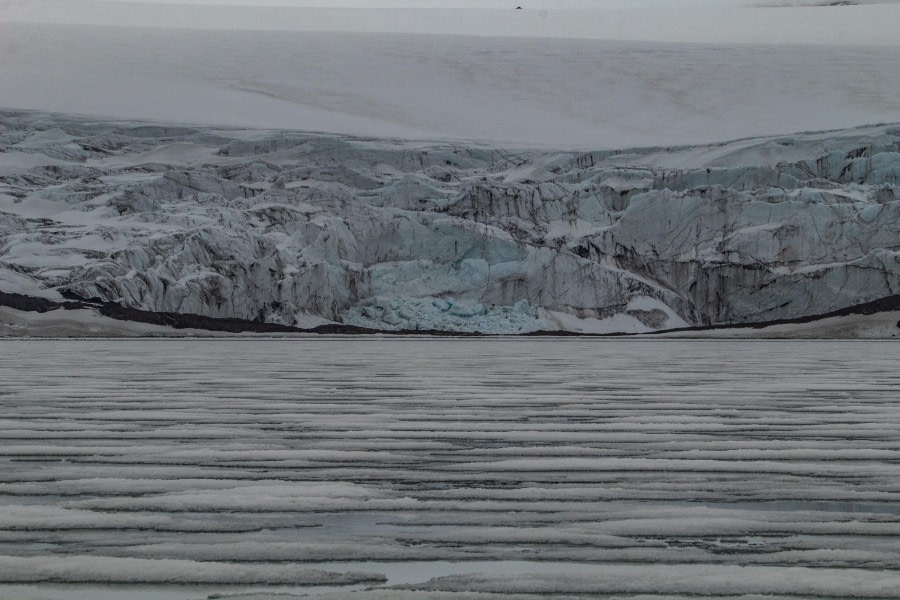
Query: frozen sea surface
[{"x": 418, "y": 467}]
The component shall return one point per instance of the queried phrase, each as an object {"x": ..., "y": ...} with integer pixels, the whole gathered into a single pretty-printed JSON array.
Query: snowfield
[
  {"x": 622, "y": 75},
  {"x": 534, "y": 92},
  {"x": 381, "y": 468},
  {"x": 813, "y": 22}
]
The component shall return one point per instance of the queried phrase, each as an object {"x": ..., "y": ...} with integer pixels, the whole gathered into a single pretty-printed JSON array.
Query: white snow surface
[
  {"x": 681, "y": 83},
  {"x": 881, "y": 325},
  {"x": 82, "y": 323},
  {"x": 424, "y": 467},
  {"x": 866, "y": 22},
  {"x": 304, "y": 229}
]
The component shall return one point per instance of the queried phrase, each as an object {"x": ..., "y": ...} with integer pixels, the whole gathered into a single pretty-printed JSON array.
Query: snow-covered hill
[
  {"x": 816, "y": 22},
  {"x": 549, "y": 93},
  {"x": 303, "y": 229}
]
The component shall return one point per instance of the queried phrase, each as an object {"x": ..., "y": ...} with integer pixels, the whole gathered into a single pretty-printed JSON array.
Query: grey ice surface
[{"x": 464, "y": 468}]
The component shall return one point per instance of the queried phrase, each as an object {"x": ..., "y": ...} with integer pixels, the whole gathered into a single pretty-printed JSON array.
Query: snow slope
[
  {"x": 620, "y": 75},
  {"x": 867, "y": 23},
  {"x": 301, "y": 229},
  {"x": 882, "y": 325}
]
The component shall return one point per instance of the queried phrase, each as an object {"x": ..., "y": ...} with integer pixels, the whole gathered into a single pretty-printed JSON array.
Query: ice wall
[{"x": 301, "y": 229}]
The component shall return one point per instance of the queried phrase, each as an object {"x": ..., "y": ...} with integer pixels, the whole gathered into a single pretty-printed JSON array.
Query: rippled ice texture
[{"x": 546, "y": 465}]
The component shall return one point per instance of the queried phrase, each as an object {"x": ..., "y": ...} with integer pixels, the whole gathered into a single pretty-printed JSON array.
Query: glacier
[{"x": 304, "y": 229}]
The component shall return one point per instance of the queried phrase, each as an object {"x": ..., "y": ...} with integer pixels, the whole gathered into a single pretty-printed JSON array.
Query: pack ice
[{"x": 303, "y": 229}]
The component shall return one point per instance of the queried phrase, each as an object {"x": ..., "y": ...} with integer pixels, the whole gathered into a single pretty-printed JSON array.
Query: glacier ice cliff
[{"x": 303, "y": 229}]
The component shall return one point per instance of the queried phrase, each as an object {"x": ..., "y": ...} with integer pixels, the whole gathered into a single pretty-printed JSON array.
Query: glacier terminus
[{"x": 304, "y": 229}]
